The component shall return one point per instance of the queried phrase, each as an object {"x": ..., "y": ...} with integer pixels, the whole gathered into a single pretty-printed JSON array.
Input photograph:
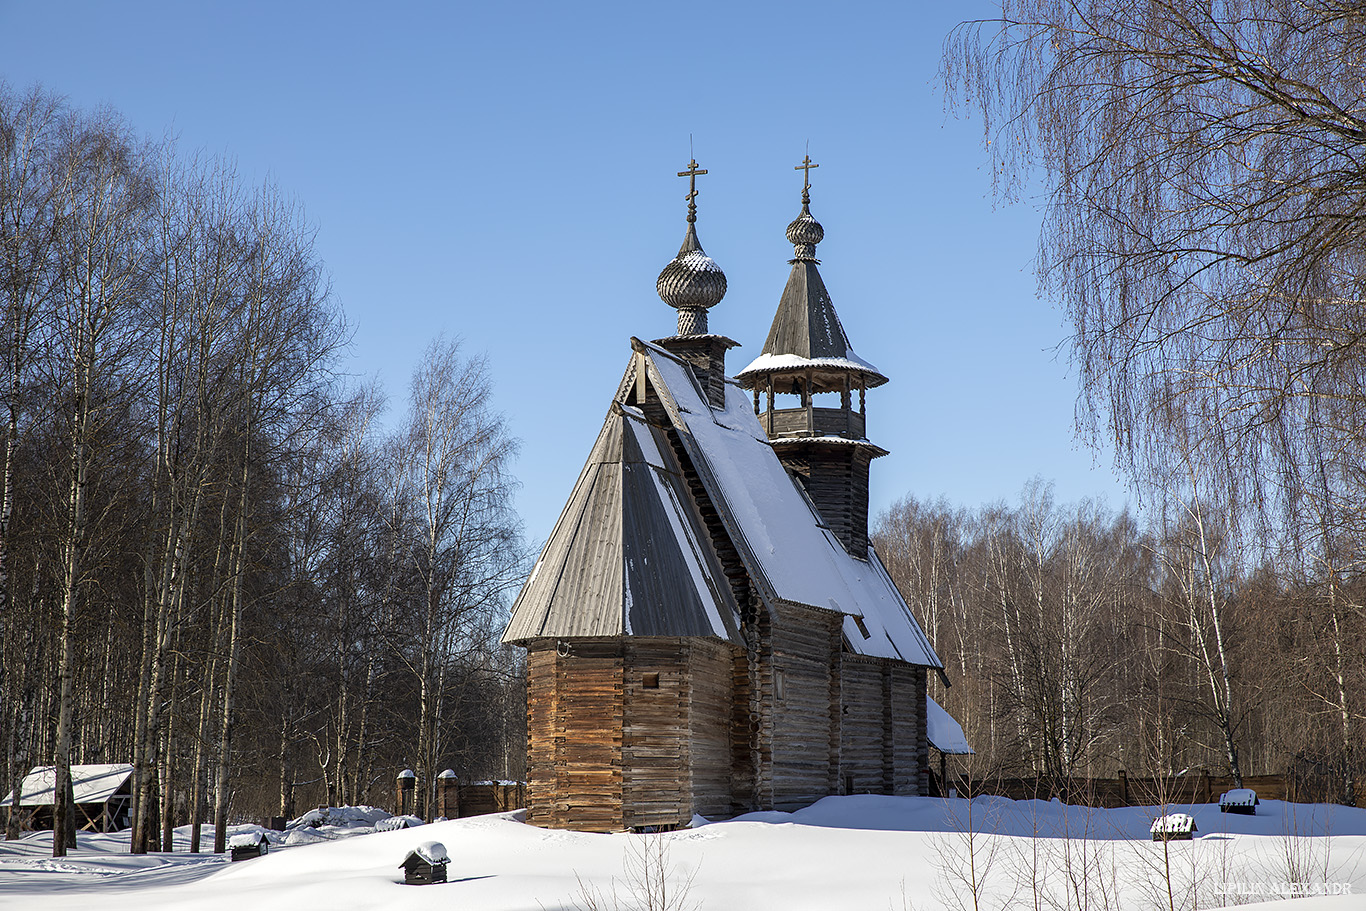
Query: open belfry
[{"x": 708, "y": 629}]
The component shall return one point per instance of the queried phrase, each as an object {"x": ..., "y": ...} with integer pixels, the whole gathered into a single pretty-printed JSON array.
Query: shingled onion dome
[
  {"x": 692, "y": 281},
  {"x": 804, "y": 233}
]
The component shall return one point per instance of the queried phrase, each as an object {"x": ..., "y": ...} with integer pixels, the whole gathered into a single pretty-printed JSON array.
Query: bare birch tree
[
  {"x": 29, "y": 130},
  {"x": 452, "y": 470},
  {"x": 103, "y": 200}
]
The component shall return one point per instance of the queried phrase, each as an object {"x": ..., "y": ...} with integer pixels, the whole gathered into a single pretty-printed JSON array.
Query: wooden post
[
  {"x": 1204, "y": 786},
  {"x": 405, "y": 791},
  {"x": 1124, "y": 787},
  {"x": 770, "y": 404},
  {"x": 846, "y": 403},
  {"x": 448, "y": 795},
  {"x": 808, "y": 400}
]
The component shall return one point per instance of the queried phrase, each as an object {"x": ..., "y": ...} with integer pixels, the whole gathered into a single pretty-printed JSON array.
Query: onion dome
[
  {"x": 692, "y": 278},
  {"x": 804, "y": 233},
  {"x": 691, "y": 282}
]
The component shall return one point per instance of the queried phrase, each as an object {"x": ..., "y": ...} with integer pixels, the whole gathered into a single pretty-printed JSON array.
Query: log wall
[
  {"x": 631, "y": 733},
  {"x": 656, "y": 761},
  {"x": 574, "y": 735}
]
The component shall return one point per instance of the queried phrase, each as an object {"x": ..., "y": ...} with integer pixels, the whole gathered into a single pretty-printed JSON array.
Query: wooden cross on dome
[
  {"x": 806, "y": 165},
  {"x": 691, "y": 174}
]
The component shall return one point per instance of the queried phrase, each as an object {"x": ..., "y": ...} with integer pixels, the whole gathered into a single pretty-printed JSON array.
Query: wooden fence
[
  {"x": 482, "y": 797},
  {"x": 1124, "y": 791}
]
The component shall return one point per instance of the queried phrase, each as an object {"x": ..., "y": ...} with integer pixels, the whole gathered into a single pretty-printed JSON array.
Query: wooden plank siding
[
  {"x": 910, "y": 744},
  {"x": 792, "y": 421},
  {"x": 803, "y": 723},
  {"x": 863, "y": 742},
  {"x": 710, "y": 749}
]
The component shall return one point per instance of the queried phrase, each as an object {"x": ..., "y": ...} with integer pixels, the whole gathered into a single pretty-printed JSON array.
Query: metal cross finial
[
  {"x": 806, "y": 166},
  {"x": 691, "y": 174}
]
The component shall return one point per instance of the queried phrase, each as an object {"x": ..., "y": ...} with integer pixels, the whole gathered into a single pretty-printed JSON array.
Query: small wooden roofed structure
[
  {"x": 103, "y": 796},
  {"x": 945, "y": 733},
  {"x": 946, "y": 737}
]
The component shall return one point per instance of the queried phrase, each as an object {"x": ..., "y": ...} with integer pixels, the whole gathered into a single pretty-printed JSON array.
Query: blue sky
[{"x": 505, "y": 172}]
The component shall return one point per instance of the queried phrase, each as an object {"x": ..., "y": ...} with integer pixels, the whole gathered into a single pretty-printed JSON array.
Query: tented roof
[
  {"x": 90, "y": 783},
  {"x": 787, "y": 550},
  {"x": 629, "y": 555},
  {"x": 944, "y": 733},
  {"x": 807, "y": 334}
]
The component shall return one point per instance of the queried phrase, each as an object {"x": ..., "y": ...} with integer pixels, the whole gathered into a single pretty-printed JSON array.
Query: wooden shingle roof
[
  {"x": 629, "y": 554},
  {"x": 806, "y": 333}
]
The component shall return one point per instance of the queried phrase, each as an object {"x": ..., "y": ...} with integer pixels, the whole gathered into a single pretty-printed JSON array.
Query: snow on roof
[
  {"x": 246, "y": 839},
  {"x": 1173, "y": 823},
  {"x": 1238, "y": 797},
  {"x": 768, "y": 362},
  {"x": 90, "y": 783},
  {"x": 944, "y": 733},
  {"x": 697, "y": 261},
  {"x": 433, "y": 852},
  {"x": 787, "y": 549}
]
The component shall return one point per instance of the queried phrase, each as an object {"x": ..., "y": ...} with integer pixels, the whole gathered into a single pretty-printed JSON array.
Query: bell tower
[{"x": 804, "y": 383}]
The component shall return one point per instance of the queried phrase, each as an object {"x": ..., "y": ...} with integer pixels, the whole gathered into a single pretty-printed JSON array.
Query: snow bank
[{"x": 839, "y": 854}]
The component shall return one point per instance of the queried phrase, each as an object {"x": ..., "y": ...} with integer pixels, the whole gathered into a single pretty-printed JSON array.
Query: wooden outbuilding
[
  {"x": 708, "y": 629},
  {"x": 426, "y": 864},
  {"x": 103, "y": 796}
]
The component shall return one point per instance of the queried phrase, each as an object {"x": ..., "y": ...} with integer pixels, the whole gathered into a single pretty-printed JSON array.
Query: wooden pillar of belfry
[
  {"x": 810, "y": 404},
  {"x": 846, "y": 403},
  {"x": 405, "y": 793},
  {"x": 448, "y": 795},
  {"x": 769, "y": 428}
]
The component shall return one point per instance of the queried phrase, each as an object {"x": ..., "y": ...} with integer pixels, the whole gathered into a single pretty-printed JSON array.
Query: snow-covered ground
[{"x": 864, "y": 852}]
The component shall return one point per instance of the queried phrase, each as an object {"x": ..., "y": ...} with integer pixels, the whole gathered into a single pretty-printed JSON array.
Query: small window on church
[
  {"x": 779, "y": 684},
  {"x": 650, "y": 681}
]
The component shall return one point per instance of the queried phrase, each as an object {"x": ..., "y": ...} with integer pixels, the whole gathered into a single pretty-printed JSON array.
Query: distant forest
[
  {"x": 1080, "y": 641},
  {"x": 214, "y": 561}
]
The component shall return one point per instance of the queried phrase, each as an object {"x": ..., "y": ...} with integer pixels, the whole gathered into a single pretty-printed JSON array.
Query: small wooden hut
[
  {"x": 708, "y": 629},
  {"x": 103, "y": 795}
]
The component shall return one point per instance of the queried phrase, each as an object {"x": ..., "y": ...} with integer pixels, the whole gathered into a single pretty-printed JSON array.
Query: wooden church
[{"x": 708, "y": 629}]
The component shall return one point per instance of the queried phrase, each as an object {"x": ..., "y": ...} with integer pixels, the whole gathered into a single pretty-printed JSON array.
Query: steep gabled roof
[
  {"x": 90, "y": 783},
  {"x": 788, "y": 552},
  {"x": 629, "y": 555}
]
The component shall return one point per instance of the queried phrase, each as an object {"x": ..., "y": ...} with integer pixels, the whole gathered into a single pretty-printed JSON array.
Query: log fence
[{"x": 1195, "y": 787}]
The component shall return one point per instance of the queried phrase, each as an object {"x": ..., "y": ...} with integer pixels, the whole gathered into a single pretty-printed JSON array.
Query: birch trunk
[{"x": 221, "y": 794}]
